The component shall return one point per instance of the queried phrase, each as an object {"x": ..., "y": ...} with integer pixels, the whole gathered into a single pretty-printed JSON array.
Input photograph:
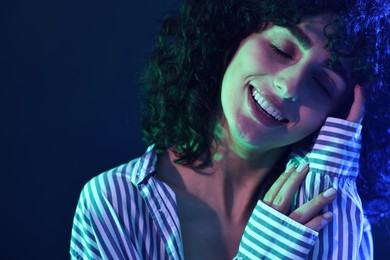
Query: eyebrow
[{"x": 301, "y": 36}]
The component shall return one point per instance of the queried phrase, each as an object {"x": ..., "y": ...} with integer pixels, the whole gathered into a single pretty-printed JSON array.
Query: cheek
[
  {"x": 312, "y": 119},
  {"x": 342, "y": 106},
  {"x": 316, "y": 108}
]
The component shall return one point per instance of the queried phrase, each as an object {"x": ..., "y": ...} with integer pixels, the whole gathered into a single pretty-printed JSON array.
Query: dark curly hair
[{"x": 182, "y": 79}]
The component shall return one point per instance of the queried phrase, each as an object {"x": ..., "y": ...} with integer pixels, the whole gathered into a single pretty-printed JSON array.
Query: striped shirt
[
  {"x": 334, "y": 162},
  {"x": 127, "y": 213}
]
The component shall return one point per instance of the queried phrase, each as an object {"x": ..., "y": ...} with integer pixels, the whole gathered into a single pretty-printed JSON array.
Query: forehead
[
  {"x": 310, "y": 30},
  {"x": 315, "y": 25}
]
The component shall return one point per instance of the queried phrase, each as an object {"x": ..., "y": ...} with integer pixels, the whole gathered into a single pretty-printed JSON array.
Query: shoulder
[
  {"x": 123, "y": 180},
  {"x": 115, "y": 192},
  {"x": 109, "y": 186}
]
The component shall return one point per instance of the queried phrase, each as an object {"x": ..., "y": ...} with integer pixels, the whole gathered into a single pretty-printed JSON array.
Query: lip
[{"x": 260, "y": 114}]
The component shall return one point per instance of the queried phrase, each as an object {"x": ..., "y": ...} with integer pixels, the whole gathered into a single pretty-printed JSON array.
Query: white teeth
[{"x": 266, "y": 106}]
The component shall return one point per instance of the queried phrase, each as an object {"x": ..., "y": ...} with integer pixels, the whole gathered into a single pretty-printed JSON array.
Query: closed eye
[
  {"x": 281, "y": 53},
  {"x": 322, "y": 86}
]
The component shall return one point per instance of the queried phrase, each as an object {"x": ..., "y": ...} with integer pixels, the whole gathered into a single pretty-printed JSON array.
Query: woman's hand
[
  {"x": 357, "y": 109},
  {"x": 281, "y": 194}
]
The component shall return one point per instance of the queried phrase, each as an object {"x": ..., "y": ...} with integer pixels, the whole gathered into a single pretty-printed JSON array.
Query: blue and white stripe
[
  {"x": 272, "y": 235},
  {"x": 333, "y": 163},
  {"x": 127, "y": 213}
]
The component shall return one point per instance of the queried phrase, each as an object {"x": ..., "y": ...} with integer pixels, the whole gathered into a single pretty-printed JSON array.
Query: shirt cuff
[
  {"x": 349, "y": 125},
  {"x": 271, "y": 235},
  {"x": 337, "y": 148}
]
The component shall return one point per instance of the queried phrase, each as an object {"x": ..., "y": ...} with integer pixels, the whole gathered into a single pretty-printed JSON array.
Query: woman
[{"x": 232, "y": 88}]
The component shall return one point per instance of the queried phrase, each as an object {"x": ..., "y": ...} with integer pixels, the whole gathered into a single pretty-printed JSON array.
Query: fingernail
[
  {"x": 330, "y": 193},
  {"x": 328, "y": 215},
  {"x": 290, "y": 167},
  {"x": 301, "y": 166},
  {"x": 327, "y": 218}
]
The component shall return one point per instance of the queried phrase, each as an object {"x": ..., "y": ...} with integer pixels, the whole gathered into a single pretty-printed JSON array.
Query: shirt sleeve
[
  {"x": 272, "y": 235},
  {"x": 97, "y": 231},
  {"x": 334, "y": 162}
]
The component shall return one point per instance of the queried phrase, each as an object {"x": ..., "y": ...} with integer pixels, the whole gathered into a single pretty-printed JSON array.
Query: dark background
[{"x": 69, "y": 105}]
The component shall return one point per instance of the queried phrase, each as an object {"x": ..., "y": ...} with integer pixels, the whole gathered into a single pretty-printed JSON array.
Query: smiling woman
[
  {"x": 276, "y": 67},
  {"x": 253, "y": 112}
]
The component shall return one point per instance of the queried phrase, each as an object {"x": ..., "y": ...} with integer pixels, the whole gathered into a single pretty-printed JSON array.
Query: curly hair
[{"x": 182, "y": 80}]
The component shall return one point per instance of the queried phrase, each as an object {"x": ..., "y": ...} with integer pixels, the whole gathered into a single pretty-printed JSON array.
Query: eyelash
[
  {"x": 285, "y": 55},
  {"x": 281, "y": 53},
  {"x": 322, "y": 86}
]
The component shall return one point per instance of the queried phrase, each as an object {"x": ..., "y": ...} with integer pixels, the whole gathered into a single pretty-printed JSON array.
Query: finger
[
  {"x": 357, "y": 109},
  {"x": 275, "y": 188},
  {"x": 282, "y": 201},
  {"x": 319, "y": 222},
  {"x": 310, "y": 209}
]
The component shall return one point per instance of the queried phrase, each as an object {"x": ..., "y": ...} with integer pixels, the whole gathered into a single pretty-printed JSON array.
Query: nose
[{"x": 287, "y": 86}]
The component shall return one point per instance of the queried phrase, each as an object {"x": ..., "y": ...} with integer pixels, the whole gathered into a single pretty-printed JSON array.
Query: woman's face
[{"x": 278, "y": 87}]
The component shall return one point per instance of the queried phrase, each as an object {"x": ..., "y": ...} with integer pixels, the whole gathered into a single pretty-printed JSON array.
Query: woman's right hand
[{"x": 282, "y": 192}]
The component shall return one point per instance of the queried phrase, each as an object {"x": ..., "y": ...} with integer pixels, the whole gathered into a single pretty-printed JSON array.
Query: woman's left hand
[
  {"x": 357, "y": 109},
  {"x": 281, "y": 194}
]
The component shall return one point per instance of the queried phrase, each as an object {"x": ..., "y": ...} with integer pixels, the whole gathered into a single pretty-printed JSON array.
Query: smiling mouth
[{"x": 266, "y": 107}]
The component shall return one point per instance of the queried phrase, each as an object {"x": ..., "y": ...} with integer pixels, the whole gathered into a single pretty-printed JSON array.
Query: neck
[{"x": 229, "y": 184}]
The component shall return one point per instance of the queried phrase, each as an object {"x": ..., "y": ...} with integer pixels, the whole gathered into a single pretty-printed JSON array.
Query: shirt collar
[{"x": 144, "y": 167}]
